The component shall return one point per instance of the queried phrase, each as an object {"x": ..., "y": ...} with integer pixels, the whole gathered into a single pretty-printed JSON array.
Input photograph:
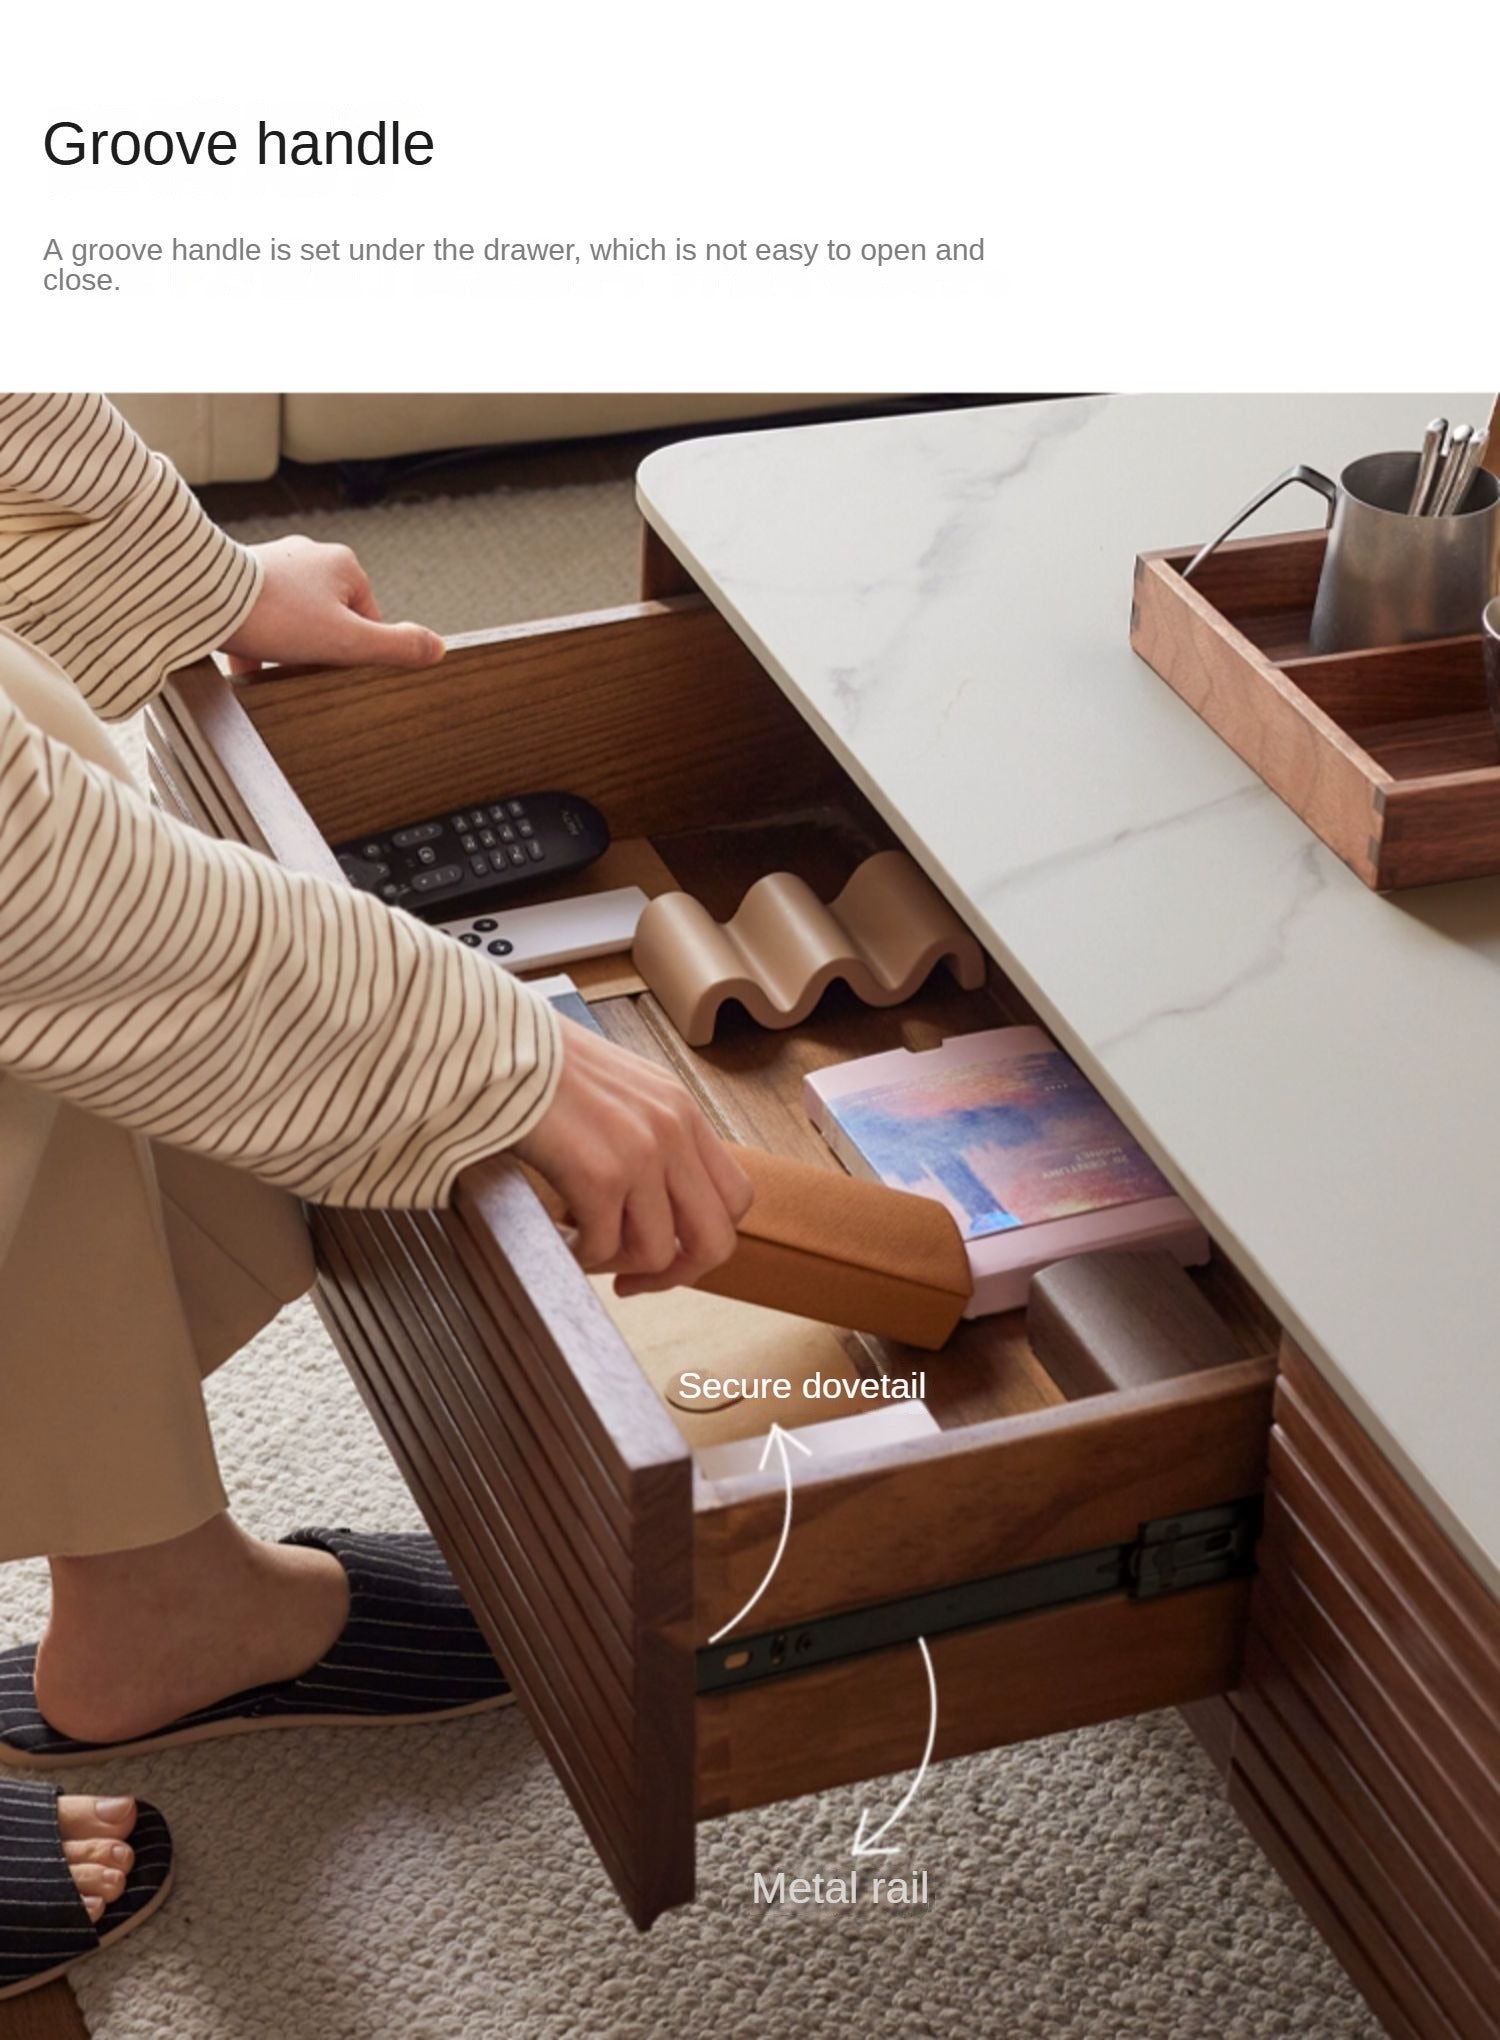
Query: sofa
[{"x": 243, "y": 438}]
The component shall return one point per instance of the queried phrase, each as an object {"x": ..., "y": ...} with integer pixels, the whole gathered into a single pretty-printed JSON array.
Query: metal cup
[
  {"x": 1389, "y": 578},
  {"x": 1490, "y": 627}
]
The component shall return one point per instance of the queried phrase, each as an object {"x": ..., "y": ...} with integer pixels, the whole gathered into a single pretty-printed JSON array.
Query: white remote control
[{"x": 565, "y": 931}]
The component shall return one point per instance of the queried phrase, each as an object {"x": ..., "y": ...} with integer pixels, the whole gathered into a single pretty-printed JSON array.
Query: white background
[{"x": 1171, "y": 196}]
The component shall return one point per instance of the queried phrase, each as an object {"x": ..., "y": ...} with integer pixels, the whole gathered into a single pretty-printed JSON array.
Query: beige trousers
[{"x": 127, "y": 1272}]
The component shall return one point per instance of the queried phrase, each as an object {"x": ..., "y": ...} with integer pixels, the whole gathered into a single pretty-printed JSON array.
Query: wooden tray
[{"x": 1388, "y": 755}]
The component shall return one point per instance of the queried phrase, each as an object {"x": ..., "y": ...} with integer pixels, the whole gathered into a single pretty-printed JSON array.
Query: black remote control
[{"x": 475, "y": 857}]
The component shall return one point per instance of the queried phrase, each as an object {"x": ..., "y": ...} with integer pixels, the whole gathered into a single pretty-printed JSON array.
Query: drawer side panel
[{"x": 1004, "y": 1682}]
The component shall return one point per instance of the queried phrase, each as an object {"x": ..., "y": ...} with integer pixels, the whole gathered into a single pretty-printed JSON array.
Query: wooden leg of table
[
  {"x": 48, "y": 2014},
  {"x": 1213, "y": 1722},
  {"x": 662, "y": 573}
]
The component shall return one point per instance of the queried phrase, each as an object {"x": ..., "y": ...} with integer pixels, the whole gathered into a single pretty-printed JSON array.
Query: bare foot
[
  {"x": 94, "y": 1841},
  {"x": 139, "y": 1638}
]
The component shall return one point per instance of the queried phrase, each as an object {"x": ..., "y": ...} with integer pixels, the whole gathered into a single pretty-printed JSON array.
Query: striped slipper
[
  {"x": 410, "y": 1651},
  {"x": 44, "y": 1927}
]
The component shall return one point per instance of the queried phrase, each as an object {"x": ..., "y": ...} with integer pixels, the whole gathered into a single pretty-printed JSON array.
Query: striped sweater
[{"x": 187, "y": 989}]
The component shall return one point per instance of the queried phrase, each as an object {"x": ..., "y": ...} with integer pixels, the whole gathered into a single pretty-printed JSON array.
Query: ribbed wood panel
[
  {"x": 572, "y": 1546},
  {"x": 1366, "y": 1752},
  {"x": 556, "y": 1484}
]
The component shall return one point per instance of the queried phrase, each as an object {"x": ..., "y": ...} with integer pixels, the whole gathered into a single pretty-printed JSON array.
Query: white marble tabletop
[{"x": 947, "y": 599}]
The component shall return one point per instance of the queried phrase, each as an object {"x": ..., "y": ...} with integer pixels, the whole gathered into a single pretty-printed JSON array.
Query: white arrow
[
  {"x": 864, "y": 1845},
  {"x": 780, "y": 1439}
]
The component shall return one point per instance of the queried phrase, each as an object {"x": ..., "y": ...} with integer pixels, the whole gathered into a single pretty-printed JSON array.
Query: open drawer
[{"x": 1038, "y": 1543}]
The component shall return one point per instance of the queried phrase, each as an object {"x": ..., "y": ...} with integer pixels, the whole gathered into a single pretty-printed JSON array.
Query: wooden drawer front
[
  {"x": 559, "y": 1500},
  {"x": 597, "y": 1556},
  {"x": 1366, "y": 1751}
]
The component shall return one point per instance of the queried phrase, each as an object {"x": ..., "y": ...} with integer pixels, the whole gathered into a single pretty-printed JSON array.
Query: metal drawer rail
[{"x": 1169, "y": 1555}]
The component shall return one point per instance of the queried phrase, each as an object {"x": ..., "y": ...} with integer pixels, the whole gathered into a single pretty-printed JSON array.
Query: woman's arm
[
  {"x": 201, "y": 995},
  {"x": 109, "y": 563}
]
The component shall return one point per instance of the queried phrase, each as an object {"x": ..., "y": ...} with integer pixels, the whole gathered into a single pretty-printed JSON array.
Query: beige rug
[{"x": 402, "y": 1885}]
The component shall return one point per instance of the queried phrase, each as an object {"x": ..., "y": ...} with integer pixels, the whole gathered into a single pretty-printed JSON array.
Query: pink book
[{"x": 1007, "y": 1132}]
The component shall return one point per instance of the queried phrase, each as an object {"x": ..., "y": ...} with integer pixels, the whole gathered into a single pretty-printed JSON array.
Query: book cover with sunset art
[{"x": 1005, "y": 1130}]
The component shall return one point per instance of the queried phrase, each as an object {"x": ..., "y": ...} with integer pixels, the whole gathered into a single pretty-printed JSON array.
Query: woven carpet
[{"x": 411, "y": 1885}]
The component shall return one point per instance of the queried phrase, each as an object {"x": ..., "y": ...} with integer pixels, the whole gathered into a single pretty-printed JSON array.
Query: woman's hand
[
  {"x": 316, "y": 607},
  {"x": 654, "y": 1193}
]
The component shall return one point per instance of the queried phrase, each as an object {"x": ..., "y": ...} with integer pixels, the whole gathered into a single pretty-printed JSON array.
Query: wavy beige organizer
[{"x": 885, "y": 932}]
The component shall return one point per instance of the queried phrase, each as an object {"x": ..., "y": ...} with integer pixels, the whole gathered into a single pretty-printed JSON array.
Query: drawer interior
[{"x": 661, "y": 716}]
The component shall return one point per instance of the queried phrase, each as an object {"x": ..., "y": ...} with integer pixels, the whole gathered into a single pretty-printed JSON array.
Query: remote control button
[
  {"x": 486, "y": 926},
  {"x": 469, "y": 941},
  {"x": 406, "y": 839},
  {"x": 468, "y": 844},
  {"x": 430, "y": 881},
  {"x": 375, "y": 850},
  {"x": 479, "y": 866},
  {"x": 516, "y": 807},
  {"x": 535, "y": 851},
  {"x": 427, "y": 855},
  {"x": 507, "y": 833},
  {"x": 517, "y": 854},
  {"x": 497, "y": 812},
  {"x": 476, "y": 818},
  {"x": 392, "y": 892},
  {"x": 500, "y": 947},
  {"x": 487, "y": 837},
  {"x": 524, "y": 829},
  {"x": 498, "y": 861}
]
